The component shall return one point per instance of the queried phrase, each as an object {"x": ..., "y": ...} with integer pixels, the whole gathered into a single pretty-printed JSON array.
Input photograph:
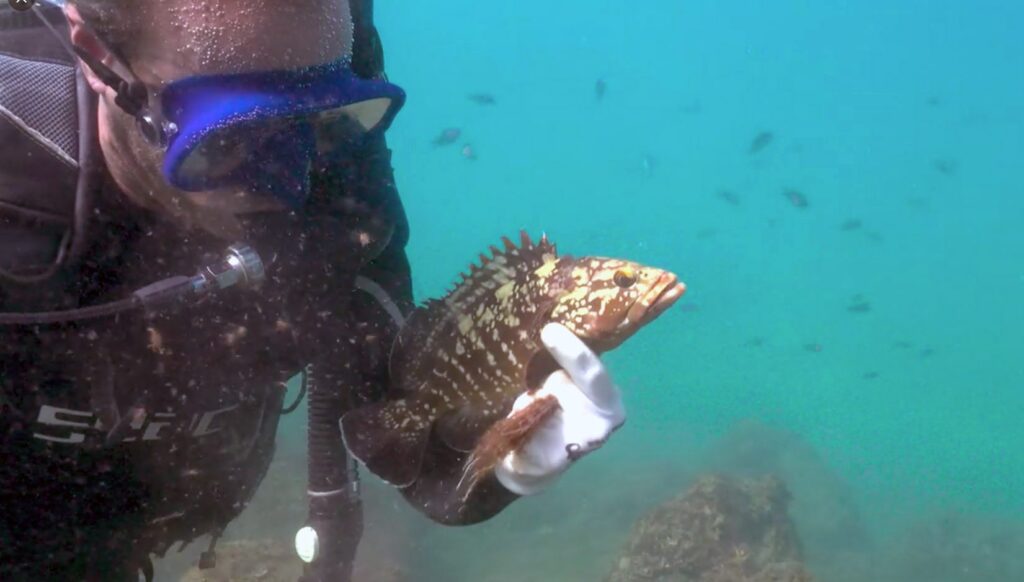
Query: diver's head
[{"x": 225, "y": 83}]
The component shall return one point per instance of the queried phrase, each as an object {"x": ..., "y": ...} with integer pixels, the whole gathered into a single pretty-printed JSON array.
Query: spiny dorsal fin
[
  {"x": 517, "y": 260},
  {"x": 524, "y": 252},
  {"x": 545, "y": 243},
  {"x": 434, "y": 319},
  {"x": 524, "y": 239}
]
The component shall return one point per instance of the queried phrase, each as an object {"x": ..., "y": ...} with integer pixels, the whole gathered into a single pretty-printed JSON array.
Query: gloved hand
[{"x": 591, "y": 409}]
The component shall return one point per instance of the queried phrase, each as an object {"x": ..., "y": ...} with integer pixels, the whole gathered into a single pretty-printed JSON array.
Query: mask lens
[
  {"x": 337, "y": 132},
  {"x": 220, "y": 155},
  {"x": 367, "y": 114}
]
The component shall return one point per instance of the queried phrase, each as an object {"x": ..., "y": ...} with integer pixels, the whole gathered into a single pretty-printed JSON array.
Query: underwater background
[{"x": 839, "y": 184}]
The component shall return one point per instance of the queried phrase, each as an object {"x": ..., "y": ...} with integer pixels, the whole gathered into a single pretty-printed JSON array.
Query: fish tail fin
[
  {"x": 507, "y": 435},
  {"x": 390, "y": 438}
]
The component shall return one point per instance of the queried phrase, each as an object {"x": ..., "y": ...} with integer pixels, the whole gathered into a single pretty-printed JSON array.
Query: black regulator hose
[
  {"x": 241, "y": 266},
  {"x": 334, "y": 526},
  {"x": 335, "y": 522}
]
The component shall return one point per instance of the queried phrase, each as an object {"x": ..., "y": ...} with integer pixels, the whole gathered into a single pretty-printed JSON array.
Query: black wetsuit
[{"x": 120, "y": 437}]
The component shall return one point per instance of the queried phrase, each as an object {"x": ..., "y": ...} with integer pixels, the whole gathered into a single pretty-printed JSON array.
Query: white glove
[{"x": 591, "y": 409}]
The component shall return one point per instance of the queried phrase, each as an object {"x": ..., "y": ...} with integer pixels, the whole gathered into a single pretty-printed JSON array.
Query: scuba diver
[{"x": 197, "y": 205}]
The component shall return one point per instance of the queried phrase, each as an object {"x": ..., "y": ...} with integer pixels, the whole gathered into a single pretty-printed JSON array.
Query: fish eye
[{"x": 625, "y": 277}]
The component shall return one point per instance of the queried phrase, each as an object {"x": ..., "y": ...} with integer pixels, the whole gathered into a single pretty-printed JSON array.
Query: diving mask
[{"x": 260, "y": 131}]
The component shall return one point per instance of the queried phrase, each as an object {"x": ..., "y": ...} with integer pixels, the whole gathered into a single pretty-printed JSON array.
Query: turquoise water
[
  {"x": 865, "y": 100},
  {"x": 907, "y": 116}
]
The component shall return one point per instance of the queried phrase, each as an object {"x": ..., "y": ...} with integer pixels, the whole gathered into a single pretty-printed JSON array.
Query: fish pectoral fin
[
  {"x": 462, "y": 429},
  {"x": 503, "y": 437},
  {"x": 390, "y": 438}
]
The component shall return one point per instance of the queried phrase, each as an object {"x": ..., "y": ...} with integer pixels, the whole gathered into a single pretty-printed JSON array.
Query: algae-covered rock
[
  {"x": 823, "y": 507},
  {"x": 837, "y": 544},
  {"x": 720, "y": 530}
]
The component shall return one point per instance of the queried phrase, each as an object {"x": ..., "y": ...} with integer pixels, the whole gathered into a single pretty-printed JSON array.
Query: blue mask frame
[{"x": 258, "y": 130}]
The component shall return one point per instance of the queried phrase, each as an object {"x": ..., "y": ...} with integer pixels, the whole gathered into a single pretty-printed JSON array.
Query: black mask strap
[{"x": 132, "y": 96}]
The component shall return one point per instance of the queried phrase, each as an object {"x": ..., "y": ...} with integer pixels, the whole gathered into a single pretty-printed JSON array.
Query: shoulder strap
[{"x": 48, "y": 128}]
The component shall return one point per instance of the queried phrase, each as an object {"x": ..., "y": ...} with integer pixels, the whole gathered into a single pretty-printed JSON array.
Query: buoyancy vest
[
  {"x": 51, "y": 174},
  {"x": 48, "y": 148}
]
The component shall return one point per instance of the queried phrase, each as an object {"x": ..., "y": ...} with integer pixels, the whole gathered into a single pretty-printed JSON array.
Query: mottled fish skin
[
  {"x": 496, "y": 313},
  {"x": 490, "y": 313},
  {"x": 460, "y": 361}
]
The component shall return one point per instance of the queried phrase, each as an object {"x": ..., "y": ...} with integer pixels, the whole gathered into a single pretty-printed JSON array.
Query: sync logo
[{"x": 65, "y": 425}]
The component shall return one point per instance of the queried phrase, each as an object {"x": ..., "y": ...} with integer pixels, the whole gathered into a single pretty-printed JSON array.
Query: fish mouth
[{"x": 662, "y": 295}]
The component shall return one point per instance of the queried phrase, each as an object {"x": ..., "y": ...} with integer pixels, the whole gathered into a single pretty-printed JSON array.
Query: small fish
[
  {"x": 692, "y": 108},
  {"x": 648, "y": 164},
  {"x": 729, "y": 197},
  {"x": 918, "y": 202},
  {"x": 870, "y": 375},
  {"x": 851, "y": 224},
  {"x": 761, "y": 141},
  {"x": 460, "y": 362},
  {"x": 755, "y": 342},
  {"x": 796, "y": 198},
  {"x": 902, "y": 344},
  {"x": 600, "y": 88},
  {"x": 927, "y": 353},
  {"x": 483, "y": 99},
  {"x": 947, "y": 167},
  {"x": 814, "y": 347},
  {"x": 689, "y": 307},
  {"x": 706, "y": 233},
  {"x": 859, "y": 307},
  {"x": 447, "y": 137},
  {"x": 468, "y": 152}
]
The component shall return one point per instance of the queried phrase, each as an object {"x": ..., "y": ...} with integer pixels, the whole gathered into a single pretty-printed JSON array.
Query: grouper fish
[{"x": 459, "y": 362}]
